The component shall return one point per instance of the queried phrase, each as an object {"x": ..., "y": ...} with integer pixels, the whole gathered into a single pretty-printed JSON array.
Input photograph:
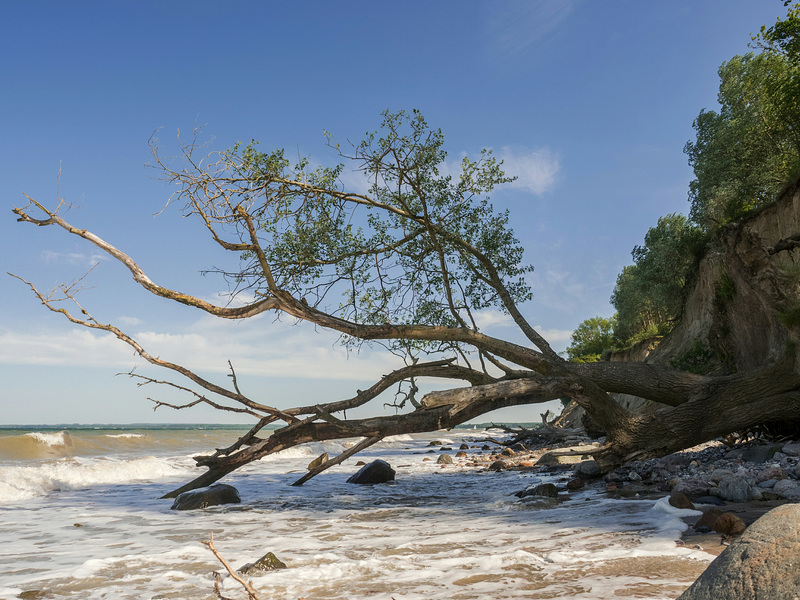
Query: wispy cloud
[
  {"x": 259, "y": 347},
  {"x": 515, "y": 27},
  {"x": 72, "y": 258},
  {"x": 535, "y": 170}
]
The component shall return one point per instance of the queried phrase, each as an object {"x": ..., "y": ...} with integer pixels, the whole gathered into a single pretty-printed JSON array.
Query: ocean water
[{"x": 80, "y": 517}]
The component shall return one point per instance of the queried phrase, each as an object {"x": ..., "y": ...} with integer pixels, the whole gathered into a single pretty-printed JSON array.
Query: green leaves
[
  {"x": 745, "y": 153},
  {"x": 424, "y": 246}
]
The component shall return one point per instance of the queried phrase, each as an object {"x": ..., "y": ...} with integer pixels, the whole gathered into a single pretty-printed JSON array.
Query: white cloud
[
  {"x": 259, "y": 347},
  {"x": 72, "y": 258},
  {"x": 487, "y": 319},
  {"x": 535, "y": 170}
]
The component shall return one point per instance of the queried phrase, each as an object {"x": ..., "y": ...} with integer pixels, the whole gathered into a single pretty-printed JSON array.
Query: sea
[{"x": 81, "y": 517}]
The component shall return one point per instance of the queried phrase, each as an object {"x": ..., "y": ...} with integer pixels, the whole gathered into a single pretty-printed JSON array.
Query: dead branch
[
  {"x": 252, "y": 594},
  {"x": 366, "y": 443}
]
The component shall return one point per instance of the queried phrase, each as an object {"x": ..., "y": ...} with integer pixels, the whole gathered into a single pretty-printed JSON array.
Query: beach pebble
[{"x": 445, "y": 459}]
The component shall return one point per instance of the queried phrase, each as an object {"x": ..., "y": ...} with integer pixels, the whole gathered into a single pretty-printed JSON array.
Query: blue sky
[{"x": 589, "y": 103}]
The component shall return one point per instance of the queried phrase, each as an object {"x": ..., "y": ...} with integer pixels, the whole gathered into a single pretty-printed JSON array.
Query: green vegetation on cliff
[{"x": 744, "y": 154}]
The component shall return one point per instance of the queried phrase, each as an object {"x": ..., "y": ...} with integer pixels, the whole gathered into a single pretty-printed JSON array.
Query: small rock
[
  {"x": 693, "y": 488},
  {"x": 445, "y": 459},
  {"x": 213, "y": 495},
  {"x": 268, "y": 562},
  {"x": 378, "y": 471},
  {"x": 461, "y": 454},
  {"x": 545, "y": 490},
  {"x": 497, "y": 465},
  {"x": 464, "y": 447},
  {"x": 776, "y": 473},
  {"x": 507, "y": 452},
  {"x": 427, "y": 459},
  {"x": 634, "y": 476},
  {"x": 708, "y": 519},
  {"x": 729, "y": 524},
  {"x": 769, "y": 483},
  {"x": 718, "y": 475},
  {"x": 318, "y": 461},
  {"x": 435, "y": 443},
  {"x": 680, "y": 500},
  {"x": 755, "y": 454},
  {"x": 360, "y": 463},
  {"x": 575, "y": 484}
]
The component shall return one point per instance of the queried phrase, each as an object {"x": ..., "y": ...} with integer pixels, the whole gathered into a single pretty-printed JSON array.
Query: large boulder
[
  {"x": 760, "y": 565},
  {"x": 378, "y": 471},
  {"x": 219, "y": 493}
]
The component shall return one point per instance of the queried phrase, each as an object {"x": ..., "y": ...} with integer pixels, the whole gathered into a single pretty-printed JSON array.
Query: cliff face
[
  {"x": 742, "y": 310},
  {"x": 736, "y": 314}
]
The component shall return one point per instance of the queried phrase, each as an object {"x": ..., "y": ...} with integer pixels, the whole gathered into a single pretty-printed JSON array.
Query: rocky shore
[{"x": 731, "y": 485}]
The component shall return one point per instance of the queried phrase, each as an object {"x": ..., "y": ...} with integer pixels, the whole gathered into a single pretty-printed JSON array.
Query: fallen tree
[{"x": 408, "y": 265}]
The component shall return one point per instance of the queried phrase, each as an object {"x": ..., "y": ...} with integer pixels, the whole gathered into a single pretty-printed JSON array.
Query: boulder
[
  {"x": 444, "y": 459},
  {"x": 792, "y": 449},
  {"x": 755, "y": 454},
  {"x": 729, "y": 524},
  {"x": 575, "y": 484},
  {"x": 543, "y": 490},
  {"x": 734, "y": 489},
  {"x": 708, "y": 519},
  {"x": 680, "y": 500},
  {"x": 787, "y": 488},
  {"x": 761, "y": 564},
  {"x": 693, "y": 488},
  {"x": 498, "y": 465},
  {"x": 587, "y": 469},
  {"x": 772, "y": 473},
  {"x": 219, "y": 493},
  {"x": 378, "y": 471},
  {"x": 268, "y": 562}
]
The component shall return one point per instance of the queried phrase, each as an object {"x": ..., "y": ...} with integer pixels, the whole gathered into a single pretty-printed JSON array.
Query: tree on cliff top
[{"x": 406, "y": 266}]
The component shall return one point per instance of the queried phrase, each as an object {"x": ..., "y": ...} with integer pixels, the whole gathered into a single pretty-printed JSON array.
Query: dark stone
[
  {"x": 435, "y": 443},
  {"x": 587, "y": 469},
  {"x": 713, "y": 500},
  {"x": 378, "y": 471},
  {"x": 729, "y": 524},
  {"x": 219, "y": 493},
  {"x": 497, "y": 465},
  {"x": 708, "y": 519},
  {"x": 575, "y": 484},
  {"x": 680, "y": 500},
  {"x": 464, "y": 447},
  {"x": 268, "y": 562},
  {"x": 543, "y": 490},
  {"x": 507, "y": 452},
  {"x": 693, "y": 488},
  {"x": 445, "y": 459},
  {"x": 755, "y": 454},
  {"x": 761, "y": 564}
]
